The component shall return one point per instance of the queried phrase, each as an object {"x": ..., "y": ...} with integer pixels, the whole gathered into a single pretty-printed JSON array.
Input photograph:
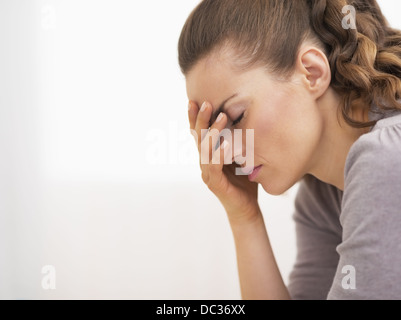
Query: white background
[{"x": 99, "y": 176}]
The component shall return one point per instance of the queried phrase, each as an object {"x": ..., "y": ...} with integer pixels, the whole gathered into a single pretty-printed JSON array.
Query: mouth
[{"x": 251, "y": 172}]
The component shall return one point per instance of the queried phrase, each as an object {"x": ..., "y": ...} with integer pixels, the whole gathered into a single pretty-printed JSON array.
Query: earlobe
[{"x": 316, "y": 70}]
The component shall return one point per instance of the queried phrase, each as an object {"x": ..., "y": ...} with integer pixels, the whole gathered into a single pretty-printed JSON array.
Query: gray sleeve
[
  {"x": 318, "y": 232},
  {"x": 370, "y": 252}
]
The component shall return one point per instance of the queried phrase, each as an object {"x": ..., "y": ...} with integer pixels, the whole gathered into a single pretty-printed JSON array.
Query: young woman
[{"x": 322, "y": 97}]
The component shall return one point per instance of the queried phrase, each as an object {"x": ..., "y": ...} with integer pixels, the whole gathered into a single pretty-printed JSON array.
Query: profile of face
[{"x": 286, "y": 116}]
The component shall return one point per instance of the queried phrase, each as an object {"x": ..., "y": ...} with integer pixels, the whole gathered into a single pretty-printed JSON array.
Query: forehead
[{"x": 213, "y": 77}]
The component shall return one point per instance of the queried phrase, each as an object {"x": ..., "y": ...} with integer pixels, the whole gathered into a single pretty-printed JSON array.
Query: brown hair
[{"x": 365, "y": 62}]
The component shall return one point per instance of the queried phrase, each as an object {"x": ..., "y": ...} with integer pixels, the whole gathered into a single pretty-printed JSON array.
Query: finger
[
  {"x": 216, "y": 174},
  {"x": 202, "y": 121},
  {"x": 219, "y": 156},
  {"x": 193, "y": 111},
  {"x": 212, "y": 138}
]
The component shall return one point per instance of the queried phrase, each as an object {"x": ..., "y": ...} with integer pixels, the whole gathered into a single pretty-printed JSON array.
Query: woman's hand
[{"x": 237, "y": 194}]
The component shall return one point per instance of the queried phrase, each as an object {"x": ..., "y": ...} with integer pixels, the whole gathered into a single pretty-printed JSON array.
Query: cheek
[
  {"x": 267, "y": 133},
  {"x": 287, "y": 133}
]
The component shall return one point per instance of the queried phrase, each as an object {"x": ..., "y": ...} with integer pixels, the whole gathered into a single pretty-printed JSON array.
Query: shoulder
[
  {"x": 378, "y": 150},
  {"x": 373, "y": 169},
  {"x": 374, "y": 161}
]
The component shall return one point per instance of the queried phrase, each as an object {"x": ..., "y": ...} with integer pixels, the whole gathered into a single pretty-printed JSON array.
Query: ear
[{"x": 315, "y": 71}]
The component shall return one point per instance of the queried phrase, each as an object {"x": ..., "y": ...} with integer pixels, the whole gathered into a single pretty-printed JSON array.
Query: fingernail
[
  {"x": 219, "y": 118},
  {"x": 204, "y": 106}
]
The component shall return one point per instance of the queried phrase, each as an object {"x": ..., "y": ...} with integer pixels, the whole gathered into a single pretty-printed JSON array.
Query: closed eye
[{"x": 238, "y": 120}]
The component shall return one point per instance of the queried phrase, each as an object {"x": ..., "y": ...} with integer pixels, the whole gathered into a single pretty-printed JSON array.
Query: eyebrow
[{"x": 220, "y": 109}]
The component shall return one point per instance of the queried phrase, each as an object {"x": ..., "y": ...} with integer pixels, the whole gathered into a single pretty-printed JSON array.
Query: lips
[
  {"x": 254, "y": 174},
  {"x": 248, "y": 170}
]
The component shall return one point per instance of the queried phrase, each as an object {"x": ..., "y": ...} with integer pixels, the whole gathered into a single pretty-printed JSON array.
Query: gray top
[{"x": 349, "y": 243}]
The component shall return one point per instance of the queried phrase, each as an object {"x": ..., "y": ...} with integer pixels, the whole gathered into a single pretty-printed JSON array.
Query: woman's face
[{"x": 284, "y": 116}]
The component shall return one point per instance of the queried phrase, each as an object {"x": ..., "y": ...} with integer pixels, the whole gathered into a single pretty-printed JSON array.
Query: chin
[{"x": 275, "y": 189}]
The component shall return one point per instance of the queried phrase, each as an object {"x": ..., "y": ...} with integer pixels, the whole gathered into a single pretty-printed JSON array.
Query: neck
[{"x": 336, "y": 141}]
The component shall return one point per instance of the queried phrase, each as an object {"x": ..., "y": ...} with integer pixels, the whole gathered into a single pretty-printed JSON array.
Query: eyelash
[{"x": 238, "y": 120}]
